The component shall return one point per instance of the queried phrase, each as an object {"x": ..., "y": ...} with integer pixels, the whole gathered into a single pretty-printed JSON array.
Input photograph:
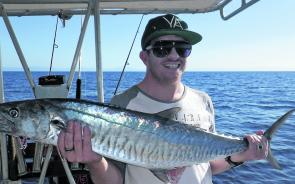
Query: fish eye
[
  {"x": 55, "y": 122},
  {"x": 58, "y": 122},
  {"x": 13, "y": 112}
]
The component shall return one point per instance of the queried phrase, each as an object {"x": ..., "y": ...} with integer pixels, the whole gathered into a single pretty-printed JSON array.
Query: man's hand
[
  {"x": 257, "y": 150},
  {"x": 74, "y": 144}
]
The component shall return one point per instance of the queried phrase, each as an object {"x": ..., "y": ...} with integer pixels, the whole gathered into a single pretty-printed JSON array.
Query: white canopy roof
[
  {"x": 73, "y": 7},
  {"x": 49, "y": 7}
]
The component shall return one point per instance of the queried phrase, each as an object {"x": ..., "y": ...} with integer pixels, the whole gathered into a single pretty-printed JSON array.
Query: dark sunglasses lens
[
  {"x": 183, "y": 52},
  {"x": 163, "y": 48},
  {"x": 161, "y": 51}
]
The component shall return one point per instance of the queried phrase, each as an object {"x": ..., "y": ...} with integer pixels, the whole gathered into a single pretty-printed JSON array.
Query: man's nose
[{"x": 173, "y": 54}]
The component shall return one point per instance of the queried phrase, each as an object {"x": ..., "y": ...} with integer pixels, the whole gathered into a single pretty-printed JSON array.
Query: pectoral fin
[
  {"x": 161, "y": 175},
  {"x": 169, "y": 176}
]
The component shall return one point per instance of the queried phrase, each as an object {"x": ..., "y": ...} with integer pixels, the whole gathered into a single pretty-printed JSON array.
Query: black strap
[{"x": 232, "y": 163}]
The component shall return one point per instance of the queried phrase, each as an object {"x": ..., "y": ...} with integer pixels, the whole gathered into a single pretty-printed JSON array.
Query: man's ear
[{"x": 144, "y": 57}]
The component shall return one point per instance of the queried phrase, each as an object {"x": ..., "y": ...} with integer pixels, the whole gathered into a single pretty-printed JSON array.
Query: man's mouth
[{"x": 172, "y": 65}]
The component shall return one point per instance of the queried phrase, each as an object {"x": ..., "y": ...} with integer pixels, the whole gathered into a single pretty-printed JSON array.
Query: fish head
[{"x": 24, "y": 118}]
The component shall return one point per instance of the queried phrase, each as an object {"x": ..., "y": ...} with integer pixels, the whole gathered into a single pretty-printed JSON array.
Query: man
[{"x": 166, "y": 44}]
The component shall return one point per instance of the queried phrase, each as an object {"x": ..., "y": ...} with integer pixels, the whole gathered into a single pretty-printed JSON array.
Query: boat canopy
[{"x": 73, "y": 7}]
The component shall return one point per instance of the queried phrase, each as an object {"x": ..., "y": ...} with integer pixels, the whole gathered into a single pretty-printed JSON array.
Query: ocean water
[{"x": 244, "y": 103}]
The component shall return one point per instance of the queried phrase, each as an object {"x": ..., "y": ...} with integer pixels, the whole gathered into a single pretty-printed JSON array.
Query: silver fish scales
[{"x": 131, "y": 137}]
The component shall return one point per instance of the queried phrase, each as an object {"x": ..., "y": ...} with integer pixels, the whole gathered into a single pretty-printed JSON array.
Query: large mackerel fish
[{"x": 141, "y": 139}]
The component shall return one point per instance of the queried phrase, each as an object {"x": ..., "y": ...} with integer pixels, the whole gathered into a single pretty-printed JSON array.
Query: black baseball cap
[{"x": 168, "y": 24}]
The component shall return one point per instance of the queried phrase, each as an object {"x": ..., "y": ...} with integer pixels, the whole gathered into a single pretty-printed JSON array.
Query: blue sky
[{"x": 260, "y": 38}]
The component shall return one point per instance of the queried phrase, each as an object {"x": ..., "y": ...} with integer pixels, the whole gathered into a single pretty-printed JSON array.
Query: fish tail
[{"x": 268, "y": 135}]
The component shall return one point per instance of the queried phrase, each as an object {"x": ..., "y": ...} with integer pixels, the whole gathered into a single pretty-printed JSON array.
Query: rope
[
  {"x": 54, "y": 45},
  {"x": 126, "y": 62}
]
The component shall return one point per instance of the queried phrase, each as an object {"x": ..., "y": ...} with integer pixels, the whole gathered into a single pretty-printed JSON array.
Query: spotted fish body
[{"x": 132, "y": 137}]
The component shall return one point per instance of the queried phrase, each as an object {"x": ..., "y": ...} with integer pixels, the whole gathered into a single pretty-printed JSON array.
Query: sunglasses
[{"x": 163, "y": 48}]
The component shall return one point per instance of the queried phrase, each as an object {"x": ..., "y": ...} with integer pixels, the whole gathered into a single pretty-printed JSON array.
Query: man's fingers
[
  {"x": 75, "y": 144},
  {"x": 89, "y": 156},
  {"x": 68, "y": 140},
  {"x": 87, "y": 139},
  {"x": 259, "y": 132},
  {"x": 61, "y": 143},
  {"x": 78, "y": 141}
]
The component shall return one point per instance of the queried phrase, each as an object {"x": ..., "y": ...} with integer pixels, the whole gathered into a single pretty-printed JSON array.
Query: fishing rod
[{"x": 126, "y": 62}]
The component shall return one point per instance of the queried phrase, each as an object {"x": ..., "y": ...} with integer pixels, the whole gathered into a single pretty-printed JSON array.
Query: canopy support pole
[
  {"x": 99, "y": 73},
  {"x": 79, "y": 45},
  {"x": 17, "y": 47}
]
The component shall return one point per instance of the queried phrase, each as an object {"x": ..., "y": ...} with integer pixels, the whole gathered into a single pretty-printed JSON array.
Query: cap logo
[{"x": 174, "y": 22}]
